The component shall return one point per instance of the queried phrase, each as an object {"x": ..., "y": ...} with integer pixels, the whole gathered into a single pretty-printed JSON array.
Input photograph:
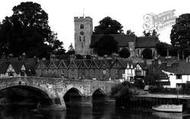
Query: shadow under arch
[
  {"x": 98, "y": 103},
  {"x": 73, "y": 99},
  {"x": 72, "y": 95},
  {"x": 24, "y": 95},
  {"x": 98, "y": 93}
]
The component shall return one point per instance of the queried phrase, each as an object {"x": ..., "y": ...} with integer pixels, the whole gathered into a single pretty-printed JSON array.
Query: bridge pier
[{"x": 58, "y": 103}]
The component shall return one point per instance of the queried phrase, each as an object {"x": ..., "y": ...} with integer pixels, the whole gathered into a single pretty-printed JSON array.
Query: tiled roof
[
  {"x": 90, "y": 63},
  {"x": 30, "y": 65},
  {"x": 4, "y": 66},
  {"x": 122, "y": 39},
  {"x": 179, "y": 67},
  {"x": 146, "y": 42}
]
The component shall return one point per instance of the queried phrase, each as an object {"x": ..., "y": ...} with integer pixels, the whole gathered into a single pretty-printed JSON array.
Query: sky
[{"x": 129, "y": 13}]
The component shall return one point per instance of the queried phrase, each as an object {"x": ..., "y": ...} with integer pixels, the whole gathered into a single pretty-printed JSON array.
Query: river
[{"x": 99, "y": 109}]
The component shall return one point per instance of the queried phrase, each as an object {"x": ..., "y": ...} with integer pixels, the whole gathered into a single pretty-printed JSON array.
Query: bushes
[{"x": 120, "y": 89}]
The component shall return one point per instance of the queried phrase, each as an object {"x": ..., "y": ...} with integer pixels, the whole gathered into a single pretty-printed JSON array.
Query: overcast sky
[{"x": 128, "y": 12}]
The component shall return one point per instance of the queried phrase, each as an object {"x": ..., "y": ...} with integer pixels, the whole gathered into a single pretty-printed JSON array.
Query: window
[
  {"x": 178, "y": 76},
  {"x": 22, "y": 73},
  {"x": 10, "y": 73},
  {"x": 81, "y": 33},
  {"x": 82, "y": 26},
  {"x": 79, "y": 38}
]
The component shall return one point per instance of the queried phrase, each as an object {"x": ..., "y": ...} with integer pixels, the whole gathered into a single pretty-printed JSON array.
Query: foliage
[
  {"x": 139, "y": 83},
  {"x": 180, "y": 34},
  {"x": 71, "y": 50},
  {"x": 130, "y": 33},
  {"x": 151, "y": 33},
  {"x": 151, "y": 79},
  {"x": 88, "y": 57},
  {"x": 124, "y": 53},
  {"x": 106, "y": 45},
  {"x": 27, "y": 30},
  {"x": 120, "y": 89},
  {"x": 163, "y": 48},
  {"x": 108, "y": 26},
  {"x": 146, "y": 33},
  {"x": 147, "y": 53},
  {"x": 78, "y": 56}
]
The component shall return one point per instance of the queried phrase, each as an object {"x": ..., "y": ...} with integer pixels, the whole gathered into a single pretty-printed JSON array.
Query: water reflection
[{"x": 88, "y": 108}]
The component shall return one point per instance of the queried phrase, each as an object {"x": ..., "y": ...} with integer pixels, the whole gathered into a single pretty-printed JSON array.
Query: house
[
  {"x": 94, "y": 69},
  {"x": 178, "y": 72},
  {"x": 17, "y": 68}
]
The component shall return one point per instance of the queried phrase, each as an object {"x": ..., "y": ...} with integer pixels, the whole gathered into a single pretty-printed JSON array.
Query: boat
[{"x": 169, "y": 108}]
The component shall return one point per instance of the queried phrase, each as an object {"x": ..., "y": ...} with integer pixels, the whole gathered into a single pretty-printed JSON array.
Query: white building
[
  {"x": 178, "y": 73},
  {"x": 133, "y": 71}
]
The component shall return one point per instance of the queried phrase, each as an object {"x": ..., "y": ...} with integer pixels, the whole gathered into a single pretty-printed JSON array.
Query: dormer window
[{"x": 82, "y": 26}]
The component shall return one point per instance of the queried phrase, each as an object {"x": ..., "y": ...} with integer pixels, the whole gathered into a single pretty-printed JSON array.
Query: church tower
[{"x": 83, "y": 32}]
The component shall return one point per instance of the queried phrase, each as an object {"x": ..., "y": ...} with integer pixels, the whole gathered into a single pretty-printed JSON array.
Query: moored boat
[{"x": 169, "y": 108}]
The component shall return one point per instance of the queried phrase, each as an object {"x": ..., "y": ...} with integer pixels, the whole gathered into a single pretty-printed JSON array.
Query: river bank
[{"x": 148, "y": 100}]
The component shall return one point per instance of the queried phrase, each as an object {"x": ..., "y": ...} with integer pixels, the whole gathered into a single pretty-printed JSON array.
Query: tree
[
  {"x": 71, "y": 50},
  {"x": 180, "y": 35},
  {"x": 108, "y": 26},
  {"x": 146, "y": 33},
  {"x": 147, "y": 53},
  {"x": 152, "y": 79},
  {"x": 151, "y": 33},
  {"x": 163, "y": 49},
  {"x": 130, "y": 33},
  {"x": 27, "y": 30},
  {"x": 124, "y": 53},
  {"x": 78, "y": 56},
  {"x": 105, "y": 46}
]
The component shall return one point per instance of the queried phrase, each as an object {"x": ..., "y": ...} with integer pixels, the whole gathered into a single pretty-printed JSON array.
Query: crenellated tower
[{"x": 83, "y": 32}]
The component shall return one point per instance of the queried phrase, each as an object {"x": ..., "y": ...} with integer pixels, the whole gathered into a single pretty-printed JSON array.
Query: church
[{"x": 84, "y": 37}]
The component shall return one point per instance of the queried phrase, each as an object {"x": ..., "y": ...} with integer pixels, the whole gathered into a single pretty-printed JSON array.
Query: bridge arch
[
  {"x": 98, "y": 93},
  {"x": 13, "y": 90},
  {"x": 72, "y": 94}
]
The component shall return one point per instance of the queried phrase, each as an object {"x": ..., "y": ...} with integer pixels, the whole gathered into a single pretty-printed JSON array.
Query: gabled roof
[
  {"x": 146, "y": 42},
  {"x": 4, "y": 66},
  {"x": 97, "y": 63},
  {"x": 17, "y": 66},
  {"x": 122, "y": 39},
  {"x": 94, "y": 64},
  {"x": 117, "y": 64},
  {"x": 126, "y": 63},
  {"x": 62, "y": 65},
  {"x": 78, "y": 63},
  {"x": 88, "y": 63},
  {"x": 104, "y": 64},
  {"x": 83, "y": 64},
  {"x": 43, "y": 64},
  {"x": 52, "y": 65},
  {"x": 72, "y": 65}
]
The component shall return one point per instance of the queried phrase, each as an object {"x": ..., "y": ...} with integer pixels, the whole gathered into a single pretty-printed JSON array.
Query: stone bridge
[{"x": 56, "y": 88}]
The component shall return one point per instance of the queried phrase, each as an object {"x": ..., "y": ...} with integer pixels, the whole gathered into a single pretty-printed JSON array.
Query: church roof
[
  {"x": 122, "y": 39},
  {"x": 146, "y": 42}
]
